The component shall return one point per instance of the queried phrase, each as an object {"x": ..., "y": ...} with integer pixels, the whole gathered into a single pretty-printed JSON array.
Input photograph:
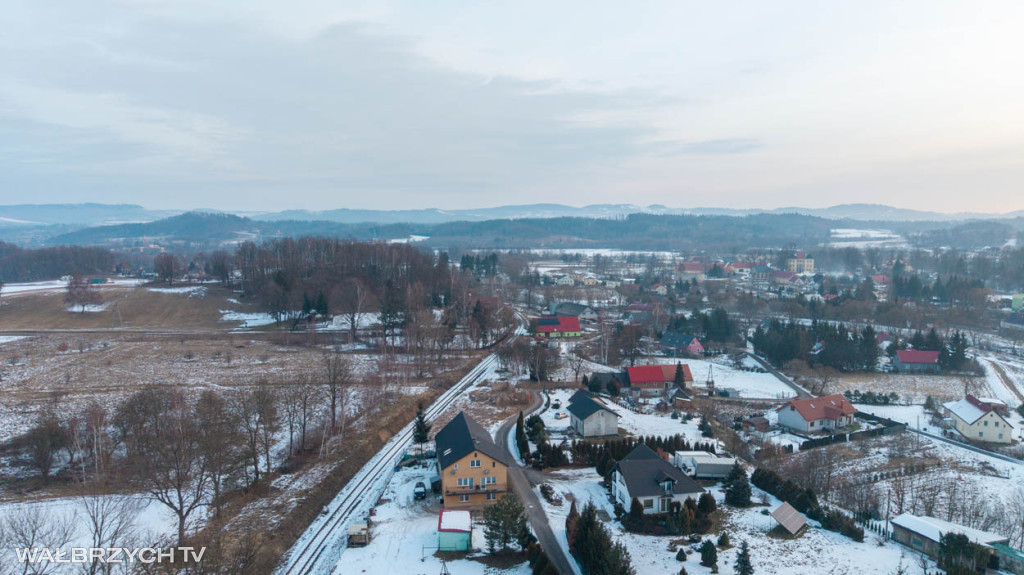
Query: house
[
  {"x": 473, "y": 470},
  {"x": 703, "y": 465},
  {"x": 979, "y": 419},
  {"x": 917, "y": 361},
  {"x": 691, "y": 270},
  {"x": 645, "y": 476},
  {"x": 800, "y": 263},
  {"x": 757, "y": 424},
  {"x": 562, "y": 326},
  {"x": 572, "y": 309},
  {"x": 675, "y": 343},
  {"x": 590, "y": 417},
  {"x": 454, "y": 530},
  {"x": 681, "y": 400},
  {"x": 606, "y": 379},
  {"x": 660, "y": 289},
  {"x": 817, "y": 413},
  {"x": 652, "y": 380},
  {"x": 923, "y": 533},
  {"x": 565, "y": 281},
  {"x": 783, "y": 277}
]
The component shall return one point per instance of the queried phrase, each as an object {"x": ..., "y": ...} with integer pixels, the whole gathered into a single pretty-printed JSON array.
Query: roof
[
  {"x": 560, "y": 324},
  {"x": 454, "y": 521},
  {"x": 789, "y": 518},
  {"x": 643, "y": 471},
  {"x": 917, "y": 356},
  {"x": 676, "y": 339},
  {"x": 933, "y": 529},
  {"x": 828, "y": 407},
  {"x": 971, "y": 409},
  {"x": 461, "y": 437},
  {"x": 572, "y": 309},
  {"x": 605, "y": 378},
  {"x": 756, "y": 420},
  {"x": 691, "y": 267},
  {"x": 583, "y": 405},
  {"x": 656, "y": 373}
]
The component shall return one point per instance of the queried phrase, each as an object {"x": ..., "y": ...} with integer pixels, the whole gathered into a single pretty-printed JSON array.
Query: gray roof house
[
  {"x": 568, "y": 308},
  {"x": 461, "y": 437},
  {"x": 644, "y": 475},
  {"x": 590, "y": 417}
]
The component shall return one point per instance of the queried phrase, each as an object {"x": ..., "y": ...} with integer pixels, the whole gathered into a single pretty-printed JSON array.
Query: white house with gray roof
[{"x": 655, "y": 483}]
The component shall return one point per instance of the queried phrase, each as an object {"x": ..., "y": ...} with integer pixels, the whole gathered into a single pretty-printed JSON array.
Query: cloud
[{"x": 709, "y": 147}]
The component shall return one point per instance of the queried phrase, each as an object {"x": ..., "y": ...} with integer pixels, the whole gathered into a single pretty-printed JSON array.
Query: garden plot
[
  {"x": 404, "y": 536},
  {"x": 912, "y": 388},
  {"x": 658, "y": 424}
]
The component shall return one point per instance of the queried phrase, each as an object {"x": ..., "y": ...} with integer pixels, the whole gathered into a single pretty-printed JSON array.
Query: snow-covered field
[
  {"x": 404, "y": 536},
  {"x": 848, "y": 237},
  {"x": 10, "y": 338},
  {"x": 748, "y": 383},
  {"x": 197, "y": 291}
]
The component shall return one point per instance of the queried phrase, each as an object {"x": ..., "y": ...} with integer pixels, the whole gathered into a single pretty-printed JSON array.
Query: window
[
  {"x": 648, "y": 503},
  {"x": 492, "y": 496},
  {"x": 981, "y": 434},
  {"x": 489, "y": 480},
  {"x": 465, "y": 482},
  {"x": 916, "y": 542},
  {"x": 464, "y": 498},
  {"x": 986, "y": 424},
  {"x": 995, "y": 424},
  {"x": 474, "y": 463},
  {"x": 1000, "y": 436}
]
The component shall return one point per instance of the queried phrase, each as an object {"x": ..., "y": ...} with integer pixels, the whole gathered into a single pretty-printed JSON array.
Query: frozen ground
[
  {"x": 748, "y": 383},
  {"x": 247, "y": 319},
  {"x": 196, "y": 291},
  {"x": 404, "y": 536}
]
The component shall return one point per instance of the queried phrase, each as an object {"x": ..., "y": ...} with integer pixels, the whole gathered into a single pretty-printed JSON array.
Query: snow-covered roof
[
  {"x": 965, "y": 410},
  {"x": 934, "y": 529},
  {"x": 991, "y": 400},
  {"x": 454, "y": 520}
]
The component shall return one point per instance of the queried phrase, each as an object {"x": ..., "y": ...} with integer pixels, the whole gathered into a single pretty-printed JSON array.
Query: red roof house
[
  {"x": 916, "y": 360},
  {"x": 817, "y": 413}
]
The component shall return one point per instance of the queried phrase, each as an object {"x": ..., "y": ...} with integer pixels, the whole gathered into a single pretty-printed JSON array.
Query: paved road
[
  {"x": 523, "y": 487},
  {"x": 800, "y": 392}
]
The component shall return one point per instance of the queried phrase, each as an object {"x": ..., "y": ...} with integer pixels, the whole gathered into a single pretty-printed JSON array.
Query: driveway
[{"x": 522, "y": 481}]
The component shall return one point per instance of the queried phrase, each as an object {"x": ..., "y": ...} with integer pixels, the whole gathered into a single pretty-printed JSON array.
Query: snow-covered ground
[
  {"x": 10, "y": 338},
  {"x": 196, "y": 291},
  {"x": 816, "y": 551},
  {"x": 996, "y": 384},
  {"x": 58, "y": 285},
  {"x": 152, "y": 522},
  {"x": 247, "y": 319},
  {"x": 89, "y": 308},
  {"x": 748, "y": 383},
  {"x": 404, "y": 536}
]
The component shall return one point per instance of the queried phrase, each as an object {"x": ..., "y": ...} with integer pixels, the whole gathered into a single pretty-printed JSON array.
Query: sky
[{"x": 267, "y": 105}]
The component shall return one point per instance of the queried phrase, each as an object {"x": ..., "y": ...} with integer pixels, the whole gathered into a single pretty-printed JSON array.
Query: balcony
[{"x": 493, "y": 487}]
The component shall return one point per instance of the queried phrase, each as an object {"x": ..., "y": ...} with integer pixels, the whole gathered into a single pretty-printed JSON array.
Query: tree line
[{"x": 18, "y": 264}]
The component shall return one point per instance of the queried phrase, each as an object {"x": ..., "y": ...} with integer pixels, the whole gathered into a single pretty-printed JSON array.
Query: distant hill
[
  {"x": 78, "y": 214},
  {"x": 863, "y": 212}
]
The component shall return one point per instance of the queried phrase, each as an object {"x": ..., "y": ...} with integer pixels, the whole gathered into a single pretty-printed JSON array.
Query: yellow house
[
  {"x": 979, "y": 419},
  {"x": 473, "y": 470},
  {"x": 801, "y": 263}
]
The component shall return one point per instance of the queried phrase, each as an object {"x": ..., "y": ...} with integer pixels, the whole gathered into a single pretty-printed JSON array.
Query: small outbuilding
[
  {"x": 454, "y": 530},
  {"x": 789, "y": 518}
]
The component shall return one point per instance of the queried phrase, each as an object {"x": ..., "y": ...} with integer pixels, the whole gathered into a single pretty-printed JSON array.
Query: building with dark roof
[
  {"x": 590, "y": 417},
  {"x": 573, "y": 309},
  {"x": 473, "y": 469},
  {"x": 655, "y": 483}
]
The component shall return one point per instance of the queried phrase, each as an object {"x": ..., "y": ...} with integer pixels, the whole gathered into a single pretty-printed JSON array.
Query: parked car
[{"x": 419, "y": 491}]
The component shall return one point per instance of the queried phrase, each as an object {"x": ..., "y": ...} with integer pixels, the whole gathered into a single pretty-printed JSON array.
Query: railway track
[{"x": 319, "y": 549}]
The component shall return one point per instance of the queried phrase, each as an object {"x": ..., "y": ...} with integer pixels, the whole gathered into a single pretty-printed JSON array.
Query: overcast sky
[{"x": 268, "y": 105}]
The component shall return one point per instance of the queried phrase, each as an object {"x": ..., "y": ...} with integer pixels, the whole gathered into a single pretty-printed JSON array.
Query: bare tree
[
  {"x": 110, "y": 521},
  {"x": 81, "y": 293},
  {"x": 354, "y": 301},
  {"x": 45, "y": 439},
  {"x": 337, "y": 378},
  {"x": 31, "y": 527},
  {"x": 174, "y": 470},
  {"x": 166, "y": 266},
  {"x": 219, "y": 442}
]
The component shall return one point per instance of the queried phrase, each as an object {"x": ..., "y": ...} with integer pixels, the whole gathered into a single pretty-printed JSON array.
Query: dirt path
[{"x": 1007, "y": 382}]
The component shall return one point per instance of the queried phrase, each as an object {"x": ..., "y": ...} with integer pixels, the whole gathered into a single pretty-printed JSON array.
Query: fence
[{"x": 888, "y": 427}]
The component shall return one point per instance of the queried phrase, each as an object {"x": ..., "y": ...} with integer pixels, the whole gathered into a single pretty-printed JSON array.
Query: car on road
[{"x": 419, "y": 491}]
